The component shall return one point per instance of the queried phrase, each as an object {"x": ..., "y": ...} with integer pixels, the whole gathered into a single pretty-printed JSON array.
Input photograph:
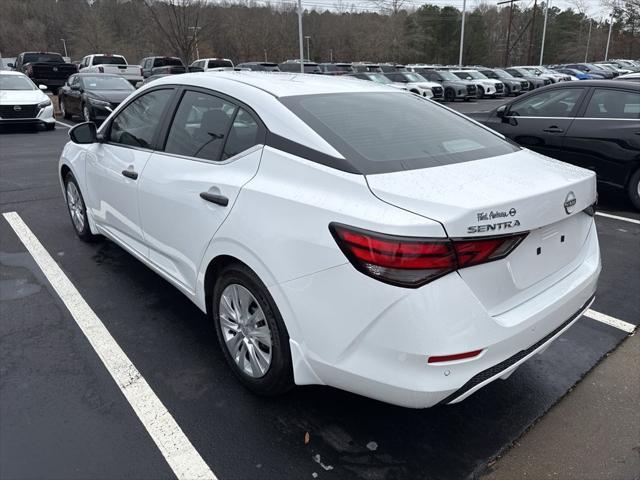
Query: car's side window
[
  {"x": 608, "y": 103},
  {"x": 138, "y": 122},
  {"x": 552, "y": 103},
  {"x": 244, "y": 134},
  {"x": 200, "y": 126}
]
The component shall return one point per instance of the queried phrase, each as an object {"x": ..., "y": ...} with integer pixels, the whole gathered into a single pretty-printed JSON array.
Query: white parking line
[
  {"x": 614, "y": 322},
  {"x": 616, "y": 217},
  {"x": 63, "y": 124},
  {"x": 174, "y": 445}
]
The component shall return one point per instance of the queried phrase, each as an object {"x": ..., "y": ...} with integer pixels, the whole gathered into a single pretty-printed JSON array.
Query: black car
[
  {"x": 594, "y": 124},
  {"x": 534, "y": 80},
  {"x": 162, "y": 65},
  {"x": 259, "y": 66},
  {"x": 93, "y": 96},
  {"x": 335, "y": 68},
  {"x": 45, "y": 68}
]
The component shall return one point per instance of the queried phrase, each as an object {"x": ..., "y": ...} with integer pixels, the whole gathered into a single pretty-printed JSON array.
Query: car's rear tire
[
  {"x": 251, "y": 332},
  {"x": 633, "y": 189},
  {"x": 449, "y": 95},
  {"x": 63, "y": 109},
  {"x": 77, "y": 209}
]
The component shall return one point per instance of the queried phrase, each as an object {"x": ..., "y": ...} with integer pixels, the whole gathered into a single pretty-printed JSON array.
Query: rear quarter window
[{"x": 386, "y": 132}]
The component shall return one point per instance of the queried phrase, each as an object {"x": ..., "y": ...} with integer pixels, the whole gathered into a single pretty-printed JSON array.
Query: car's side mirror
[
  {"x": 42, "y": 87},
  {"x": 501, "y": 111},
  {"x": 10, "y": 65},
  {"x": 75, "y": 87},
  {"x": 84, "y": 133}
]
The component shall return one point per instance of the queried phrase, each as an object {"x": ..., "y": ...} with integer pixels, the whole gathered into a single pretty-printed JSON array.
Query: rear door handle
[
  {"x": 215, "y": 198},
  {"x": 553, "y": 129},
  {"x": 130, "y": 174}
]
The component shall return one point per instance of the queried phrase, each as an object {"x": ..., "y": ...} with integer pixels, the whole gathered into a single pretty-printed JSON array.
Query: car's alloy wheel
[
  {"x": 77, "y": 209},
  {"x": 245, "y": 330},
  {"x": 251, "y": 332}
]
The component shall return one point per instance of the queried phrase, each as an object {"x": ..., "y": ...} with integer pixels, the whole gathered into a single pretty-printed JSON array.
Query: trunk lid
[{"x": 512, "y": 193}]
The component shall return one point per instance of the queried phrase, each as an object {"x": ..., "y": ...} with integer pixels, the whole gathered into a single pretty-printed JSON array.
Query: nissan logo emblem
[
  {"x": 55, "y": 69},
  {"x": 569, "y": 202},
  {"x": 17, "y": 108}
]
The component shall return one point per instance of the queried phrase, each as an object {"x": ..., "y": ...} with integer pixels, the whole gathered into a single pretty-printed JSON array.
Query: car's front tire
[
  {"x": 480, "y": 92},
  {"x": 77, "y": 209},
  {"x": 63, "y": 109},
  {"x": 251, "y": 332},
  {"x": 449, "y": 95},
  {"x": 633, "y": 189}
]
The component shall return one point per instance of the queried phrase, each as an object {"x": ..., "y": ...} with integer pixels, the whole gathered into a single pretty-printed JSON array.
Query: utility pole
[
  {"x": 265, "y": 55},
  {"x": 544, "y": 29},
  {"x": 331, "y": 54},
  {"x": 300, "y": 36},
  {"x": 532, "y": 32},
  {"x": 64, "y": 44},
  {"x": 606, "y": 52},
  {"x": 464, "y": 11},
  {"x": 586, "y": 53},
  {"x": 506, "y": 52},
  {"x": 195, "y": 40},
  {"x": 307, "y": 38}
]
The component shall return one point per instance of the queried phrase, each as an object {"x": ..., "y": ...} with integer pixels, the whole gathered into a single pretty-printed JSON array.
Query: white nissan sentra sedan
[
  {"x": 22, "y": 102},
  {"x": 340, "y": 232}
]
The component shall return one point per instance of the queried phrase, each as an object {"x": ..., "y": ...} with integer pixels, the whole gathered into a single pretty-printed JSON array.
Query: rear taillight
[{"x": 412, "y": 261}]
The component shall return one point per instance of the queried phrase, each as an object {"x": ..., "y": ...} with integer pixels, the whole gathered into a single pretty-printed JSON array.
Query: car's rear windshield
[
  {"x": 42, "y": 58},
  {"x": 108, "y": 60},
  {"x": 335, "y": 67},
  {"x": 167, "y": 62},
  {"x": 219, "y": 63},
  {"x": 15, "y": 82},
  {"x": 381, "y": 132}
]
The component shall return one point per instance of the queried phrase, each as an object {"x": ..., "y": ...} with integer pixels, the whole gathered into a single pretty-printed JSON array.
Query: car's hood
[
  {"x": 21, "y": 97},
  {"x": 111, "y": 96}
]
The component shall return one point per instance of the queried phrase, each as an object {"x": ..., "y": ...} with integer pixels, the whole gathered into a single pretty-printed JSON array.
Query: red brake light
[{"x": 413, "y": 261}]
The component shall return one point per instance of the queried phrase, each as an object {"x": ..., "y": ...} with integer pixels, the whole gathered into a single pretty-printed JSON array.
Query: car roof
[
  {"x": 278, "y": 84},
  {"x": 594, "y": 83},
  {"x": 96, "y": 74}
]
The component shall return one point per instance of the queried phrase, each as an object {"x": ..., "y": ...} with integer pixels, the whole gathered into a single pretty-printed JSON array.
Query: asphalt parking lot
[{"x": 63, "y": 416}]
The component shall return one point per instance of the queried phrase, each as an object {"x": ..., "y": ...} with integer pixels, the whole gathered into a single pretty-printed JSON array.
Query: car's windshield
[
  {"x": 216, "y": 63},
  {"x": 42, "y": 58},
  {"x": 335, "y": 67},
  {"x": 103, "y": 82},
  {"x": 108, "y": 60},
  {"x": 388, "y": 132},
  {"x": 476, "y": 75},
  {"x": 15, "y": 82},
  {"x": 378, "y": 78},
  {"x": 490, "y": 74},
  {"x": 502, "y": 73},
  {"x": 414, "y": 77},
  {"x": 446, "y": 75},
  {"x": 463, "y": 75}
]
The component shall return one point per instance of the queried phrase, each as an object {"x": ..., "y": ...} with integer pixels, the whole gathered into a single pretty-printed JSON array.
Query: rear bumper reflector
[{"x": 455, "y": 356}]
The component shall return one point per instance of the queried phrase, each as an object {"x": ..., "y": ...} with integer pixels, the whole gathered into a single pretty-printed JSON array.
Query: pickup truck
[
  {"x": 45, "y": 68},
  {"x": 107, "y": 63},
  {"x": 162, "y": 66}
]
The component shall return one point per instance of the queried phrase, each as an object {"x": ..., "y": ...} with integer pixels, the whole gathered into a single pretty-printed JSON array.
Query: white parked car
[
  {"x": 21, "y": 101},
  {"x": 215, "y": 64},
  {"x": 485, "y": 86},
  {"x": 108, "y": 63},
  {"x": 416, "y": 83},
  {"x": 339, "y": 232}
]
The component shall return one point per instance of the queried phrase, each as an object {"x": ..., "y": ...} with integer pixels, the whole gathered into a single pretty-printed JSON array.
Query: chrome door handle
[
  {"x": 130, "y": 174},
  {"x": 215, "y": 198},
  {"x": 553, "y": 129}
]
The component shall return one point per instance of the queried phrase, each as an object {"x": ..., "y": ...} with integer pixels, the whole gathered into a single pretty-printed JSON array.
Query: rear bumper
[{"x": 376, "y": 341}]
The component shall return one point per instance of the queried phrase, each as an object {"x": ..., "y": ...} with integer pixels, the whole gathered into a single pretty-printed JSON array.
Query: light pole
[
  {"x": 195, "y": 40},
  {"x": 544, "y": 30},
  {"x": 265, "y": 55},
  {"x": 64, "y": 44},
  {"x": 586, "y": 53},
  {"x": 606, "y": 52},
  {"x": 307, "y": 38},
  {"x": 300, "y": 36},
  {"x": 464, "y": 11},
  {"x": 331, "y": 54}
]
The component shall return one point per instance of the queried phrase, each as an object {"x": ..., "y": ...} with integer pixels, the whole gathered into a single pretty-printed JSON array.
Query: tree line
[{"x": 244, "y": 30}]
